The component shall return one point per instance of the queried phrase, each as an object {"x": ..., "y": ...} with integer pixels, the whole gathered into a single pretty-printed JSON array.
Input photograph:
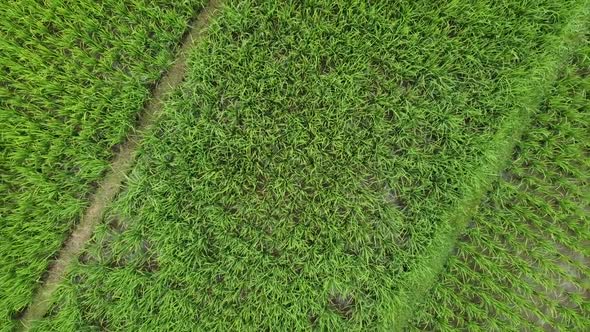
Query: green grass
[
  {"x": 523, "y": 264},
  {"x": 302, "y": 171},
  {"x": 73, "y": 77}
]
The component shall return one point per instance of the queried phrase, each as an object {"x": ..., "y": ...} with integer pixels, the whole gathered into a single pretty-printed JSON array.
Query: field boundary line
[
  {"x": 417, "y": 283},
  {"x": 122, "y": 162}
]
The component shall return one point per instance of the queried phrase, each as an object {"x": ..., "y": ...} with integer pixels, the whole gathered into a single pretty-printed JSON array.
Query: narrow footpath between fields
[{"x": 122, "y": 163}]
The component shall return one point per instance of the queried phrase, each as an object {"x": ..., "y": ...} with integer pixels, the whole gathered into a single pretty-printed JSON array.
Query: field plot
[
  {"x": 307, "y": 162},
  {"x": 73, "y": 76},
  {"x": 524, "y": 264}
]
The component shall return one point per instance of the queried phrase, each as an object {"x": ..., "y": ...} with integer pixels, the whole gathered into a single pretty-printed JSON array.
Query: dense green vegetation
[
  {"x": 523, "y": 264},
  {"x": 311, "y": 156},
  {"x": 73, "y": 76}
]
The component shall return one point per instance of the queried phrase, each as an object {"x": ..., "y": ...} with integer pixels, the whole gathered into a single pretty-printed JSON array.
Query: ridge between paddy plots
[
  {"x": 303, "y": 171},
  {"x": 524, "y": 261},
  {"x": 74, "y": 79}
]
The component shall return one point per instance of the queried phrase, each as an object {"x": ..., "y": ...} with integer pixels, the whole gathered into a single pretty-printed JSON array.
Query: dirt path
[{"x": 122, "y": 162}]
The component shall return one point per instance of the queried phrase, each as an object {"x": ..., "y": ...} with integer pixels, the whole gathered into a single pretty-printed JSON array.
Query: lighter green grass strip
[
  {"x": 535, "y": 87},
  {"x": 122, "y": 163}
]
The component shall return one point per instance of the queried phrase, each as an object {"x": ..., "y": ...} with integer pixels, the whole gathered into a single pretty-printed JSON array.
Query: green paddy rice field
[
  {"x": 73, "y": 77},
  {"x": 323, "y": 165},
  {"x": 524, "y": 261}
]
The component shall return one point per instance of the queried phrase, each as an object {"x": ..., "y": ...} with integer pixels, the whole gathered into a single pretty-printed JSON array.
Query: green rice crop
[
  {"x": 73, "y": 76},
  {"x": 524, "y": 262},
  {"x": 312, "y": 154}
]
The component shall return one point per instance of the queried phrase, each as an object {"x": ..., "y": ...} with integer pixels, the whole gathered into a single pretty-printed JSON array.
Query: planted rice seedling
[
  {"x": 523, "y": 264},
  {"x": 73, "y": 79},
  {"x": 315, "y": 150}
]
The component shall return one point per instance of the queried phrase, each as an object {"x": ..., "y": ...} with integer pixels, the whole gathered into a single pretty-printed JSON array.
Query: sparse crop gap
[
  {"x": 18, "y": 314},
  {"x": 86, "y": 258},
  {"x": 151, "y": 265},
  {"x": 116, "y": 224},
  {"x": 343, "y": 305}
]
